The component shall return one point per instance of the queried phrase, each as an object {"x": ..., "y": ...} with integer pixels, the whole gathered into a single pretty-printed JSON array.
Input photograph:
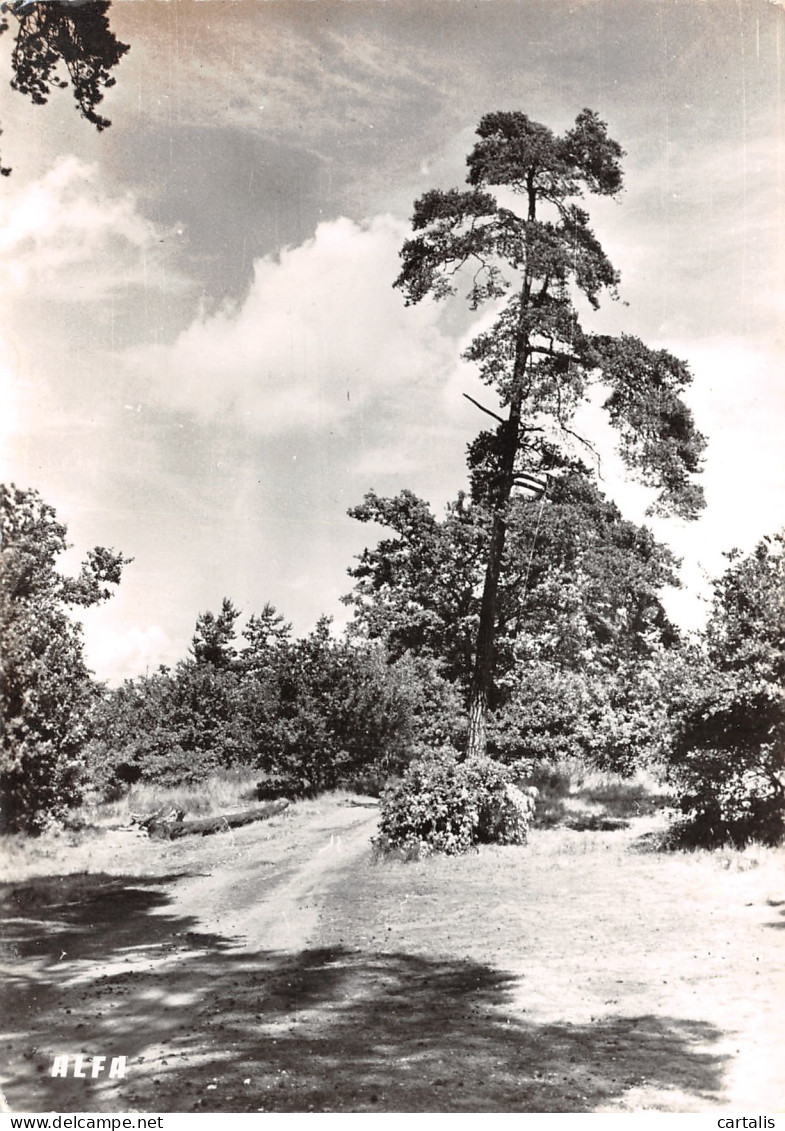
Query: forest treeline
[{"x": 589, "y": 666}]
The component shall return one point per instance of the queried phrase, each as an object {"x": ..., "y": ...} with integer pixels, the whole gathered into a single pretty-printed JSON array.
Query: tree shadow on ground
[
  {"x": 780, "y": 904},
  {"x": 207, "y": 1026},
  {"x": 89, "y": 917}
]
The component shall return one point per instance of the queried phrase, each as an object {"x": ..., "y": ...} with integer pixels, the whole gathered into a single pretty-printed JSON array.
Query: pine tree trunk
[
  {"x": 482, "y": 676},
  {"x": 483, "y": 663}
]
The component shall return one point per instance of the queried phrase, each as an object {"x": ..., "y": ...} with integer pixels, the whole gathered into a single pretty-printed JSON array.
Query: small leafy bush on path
[{"x": 446, "y": 805}]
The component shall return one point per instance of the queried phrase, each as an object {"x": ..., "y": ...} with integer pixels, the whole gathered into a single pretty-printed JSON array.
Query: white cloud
[
  {"x": 66, "y": 237},
  {"x": 10, "y": 410},
  {"x": 124, "y": 653},
  {"x": 738, "y": 400},
  {"x": 320, "y": 336}
]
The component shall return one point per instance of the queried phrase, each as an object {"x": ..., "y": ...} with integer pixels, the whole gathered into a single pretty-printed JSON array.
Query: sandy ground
[{"x": 282, "y": 968}]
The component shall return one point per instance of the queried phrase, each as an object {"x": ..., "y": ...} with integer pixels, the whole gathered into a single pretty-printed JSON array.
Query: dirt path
[
  {"x": 281, "y": 968},
  {"x": 228, "y": 900},
  {"x": 274, "y": 902}
]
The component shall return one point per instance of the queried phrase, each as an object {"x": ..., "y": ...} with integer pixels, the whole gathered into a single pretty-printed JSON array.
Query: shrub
[
  {"x": 171, "y": 728},
  {"x": 445, "y": 805},
  {"x": 609, "y": 720},
  {"x": 46, "y": 690},
  {"x": 337, "y": 710},
  {"x": 726, "y": 759}
]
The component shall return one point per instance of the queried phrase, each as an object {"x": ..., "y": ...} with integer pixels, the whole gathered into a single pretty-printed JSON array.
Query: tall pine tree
[{"x": 532, "y": 263}]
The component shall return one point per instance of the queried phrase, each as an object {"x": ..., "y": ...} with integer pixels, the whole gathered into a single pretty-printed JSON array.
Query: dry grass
[
  {"x": 611, "y": 789},
  {"x": 102, "y": 835},
  {"x": 106, "y": 840},
  {"x": 70, "y": 852},
  {"x": 218, "y": 794},
  {"x": 574, "y": 795}
]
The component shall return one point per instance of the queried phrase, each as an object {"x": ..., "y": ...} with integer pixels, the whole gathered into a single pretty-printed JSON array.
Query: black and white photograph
[{"x": 392, "y": 587}]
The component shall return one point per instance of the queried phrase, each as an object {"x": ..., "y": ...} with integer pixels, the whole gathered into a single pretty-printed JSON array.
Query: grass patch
[
  {"x": 575, "y": 796},
  {"x": 639, "y": 796},
  {"x": 221, "y": 793}
]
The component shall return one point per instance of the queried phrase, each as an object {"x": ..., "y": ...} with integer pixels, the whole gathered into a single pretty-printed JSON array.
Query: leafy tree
[
  {"x": 728, "y": 757},
  {"x": 267, "y": 635},
  {"x": 63, "y": 37},
  {"x": 530, "y": 264},
  {"x": 213, "y": 639},
  {"x": 579, "y": 586},
  {"x": 173, "y": 727},
  {"x": 46, "y": 691},
  {"x": 416, "y": 590},
  {"x": 581, "y": 629}
]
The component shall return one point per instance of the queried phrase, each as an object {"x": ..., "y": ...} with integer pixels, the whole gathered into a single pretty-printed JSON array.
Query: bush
[
  {"x": 446, "y": 805},
  {"x": 46, "y": 690},
  {"x": 336, "y": 710},
  {"x": 609, "y": 720},
  {"x": 726, "y": 759},
  {"x": 171, "y": 728}
]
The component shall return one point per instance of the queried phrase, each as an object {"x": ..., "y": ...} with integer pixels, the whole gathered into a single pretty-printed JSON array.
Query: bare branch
[
  {"x": 581, "y": 439},
  {"x": 550, "y": 352},
  {"x": 587, "y": 444},
  {"x": 482, "y": 408}
]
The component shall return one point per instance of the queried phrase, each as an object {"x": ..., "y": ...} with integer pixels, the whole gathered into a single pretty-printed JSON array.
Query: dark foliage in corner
[
  {"x": 46, "y": 691},
  {"x": 727, "y": 762}
]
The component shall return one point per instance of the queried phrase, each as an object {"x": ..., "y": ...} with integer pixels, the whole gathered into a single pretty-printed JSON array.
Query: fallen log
[
  {"x": 172, "y": 830},
  {"x": 165, "y": 815}
]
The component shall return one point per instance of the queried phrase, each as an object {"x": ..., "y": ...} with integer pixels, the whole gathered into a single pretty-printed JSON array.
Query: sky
[{"x": 203, "y": 361}]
